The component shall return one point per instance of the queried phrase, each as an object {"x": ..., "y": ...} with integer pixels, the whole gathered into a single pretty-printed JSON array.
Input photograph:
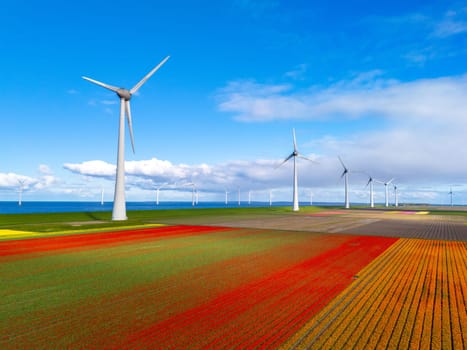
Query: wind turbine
[
  {"x": 249, "y": 197},
  {"x": 226, "y": 197},
  {"x": 239, "y": 196},
  {"x": 372, "y": 197},
  {"x": 193, "y": 190},
  {"x": 157, "y": 192},
  {"x": 450, "y": 193},
  {"x": 386, "y": 190},
  {"x": 119, "y": 207},
  {"x": 311, "y": 197},
  {"x": 270, "y": 197},
  {"x": 102, "y": 195},
  {"x": 21, "y": 186},
  {"x": 396, "y": 200},
  {"x": 295, "y": 154},
  {"x": 345, "y": 175}
]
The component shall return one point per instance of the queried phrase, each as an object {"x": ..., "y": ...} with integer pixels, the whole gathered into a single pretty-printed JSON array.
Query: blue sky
[{"x": 382, "y": 84}]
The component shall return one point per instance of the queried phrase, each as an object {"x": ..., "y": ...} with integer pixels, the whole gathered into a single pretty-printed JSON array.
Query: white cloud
[
  {"x": 44, "y": 169},
  {"x": 437, "y": 98},
  {"x": 97, "y": 168}
]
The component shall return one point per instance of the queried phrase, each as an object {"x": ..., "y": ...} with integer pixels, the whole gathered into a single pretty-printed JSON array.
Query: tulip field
[{"x": 185, "y": 286}]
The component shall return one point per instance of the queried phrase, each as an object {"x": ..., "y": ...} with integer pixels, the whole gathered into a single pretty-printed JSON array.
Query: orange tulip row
[{"x": 412, "y": 296}]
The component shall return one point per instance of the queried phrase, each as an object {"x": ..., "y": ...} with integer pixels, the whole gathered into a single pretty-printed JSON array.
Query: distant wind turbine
[
  {"x": 372, "y": 197},
  {"x": 249, "y": 197},
  {"x": 226, "y": 197},
  {"x": 21, "y": 186},
  {"x": 270, "y": 198},
  {"x": 294, "y": 155},
  {"x": 102, "y": 195},
  {"x": 239, "y": 196},
  {"x": 119, "y": 206},
  {"x": 345, "y": 175},
  {"x": 193, "y": 190},
  {"x": 396, "y": 199},
  {"x": 450, "y": 193},
  {"x": 386, "y": 190},
  {"x": 311, "y": 197},
  {"x": 158, "y": 187}
]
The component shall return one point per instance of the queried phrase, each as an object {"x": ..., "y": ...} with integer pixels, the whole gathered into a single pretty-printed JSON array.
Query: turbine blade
[
  {"x": 309, "y": 159},
  {"x": 107, "y": 86},
  {"x": 142, "y": 81},
  {"x": 343, "y": 165},
  {"x": 369, "y": 181},
  {"x": 294, "y": 140},
  {"x": 285, "y": 161},
  {"x": 130, "y": 126},
  {"x": 343, "y": 173},
  {"x": 390, "y": 181}
]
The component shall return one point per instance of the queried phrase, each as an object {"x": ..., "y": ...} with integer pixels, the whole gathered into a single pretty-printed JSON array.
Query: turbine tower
[
  {"x": 249, "y": 197},
  {"x": 450, "y": 193},
  {"x": 295, "y": 154},
  {"x": 270, "y": 198},
  {"x": 102, "y": 195},
  {"x": 119, "y": 206},
  {"x": 345, "y": 175},
  {"x": 372, "y": 197},
  {"x": 226, "y": 197},
  {"x": 239, "y": 196}
]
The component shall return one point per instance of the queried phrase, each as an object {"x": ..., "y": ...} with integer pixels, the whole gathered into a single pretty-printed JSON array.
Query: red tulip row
[
  {"x": 88, "y": 241},
  {"x": 266, "y": 312}
]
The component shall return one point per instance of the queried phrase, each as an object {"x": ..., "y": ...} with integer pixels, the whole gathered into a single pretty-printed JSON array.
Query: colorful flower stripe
[
  {"x": 37, "y": 245},
  {"x": 195, "y": 270},
  {"x": 412, "y": 296},
  {"x": 242, "y": 317}
]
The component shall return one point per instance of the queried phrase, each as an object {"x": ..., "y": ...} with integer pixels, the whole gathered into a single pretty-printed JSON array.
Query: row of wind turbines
[{"x": 345, "y": 174}]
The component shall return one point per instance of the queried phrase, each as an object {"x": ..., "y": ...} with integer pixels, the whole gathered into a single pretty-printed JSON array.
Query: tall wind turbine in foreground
[
  {"x": 345, "y": 175},
  {"x": 295, "y": 154},
  {"x": 119, "y": 207}
]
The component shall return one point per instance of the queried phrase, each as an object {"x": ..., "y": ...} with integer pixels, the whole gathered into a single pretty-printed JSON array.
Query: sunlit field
[{"x": 219, "y": 286}]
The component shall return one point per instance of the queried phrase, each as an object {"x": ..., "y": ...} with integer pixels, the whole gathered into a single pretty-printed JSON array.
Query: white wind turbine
[
  {"x": 102, "y": 195},
  {"x": 249, "y": 197},
  {"x": 294, "y": 155},
  {"x": 119, "y": 207},
  {"x": 158, "y": 187},
  {"x": 450, "y": 193},
  {"x": 270, "y": 198},
  {"x": 345, "y": 175},
  {"x": 226, "y": 197},
  {"x": 194, "y": 199},
  {"x": 239, "y": 196},
  {"x": 311, "y": 197},
  {"x": 21, "y": 187},
  {"x": 372, "y": 197},
  {"x": 396, "y": 199},
  {"x": 386, "y": 189}
]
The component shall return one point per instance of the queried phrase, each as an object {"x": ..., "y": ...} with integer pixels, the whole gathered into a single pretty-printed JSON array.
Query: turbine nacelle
[{"x": 124, "y": 93}]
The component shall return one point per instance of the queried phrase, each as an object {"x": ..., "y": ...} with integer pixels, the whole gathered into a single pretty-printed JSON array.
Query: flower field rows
[
  {"x": 412, "y": 296},
  {"x": 178, "y": 286}
]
